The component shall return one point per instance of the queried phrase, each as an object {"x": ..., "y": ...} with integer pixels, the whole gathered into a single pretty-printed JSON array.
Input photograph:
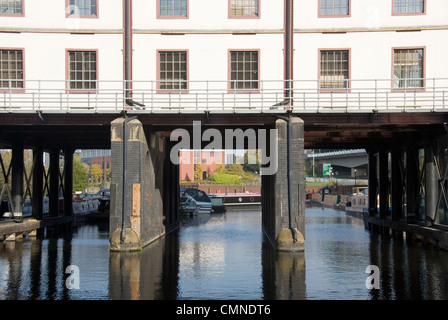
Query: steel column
[
  {"x": 384, "y": 183},
  {"x": 396, "y": 185},
  {"x": 17, "y": 178},
  {"x": 68, "y": 181},
  {"x": 38, "y": 183},
  {"x": 431, "y": 185},
  {"x": 412, "y": 182},
  {"x": 54, "y": 183},
  {"x": 373, "y": 183}
]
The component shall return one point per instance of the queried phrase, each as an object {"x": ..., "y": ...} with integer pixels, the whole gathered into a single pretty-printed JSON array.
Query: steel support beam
[
  {"x": 54, "y": 182},
  {"x": 17, "y": 177},
  {"x": 38, "y": 183},
  {"x": 431, "y": 185}
]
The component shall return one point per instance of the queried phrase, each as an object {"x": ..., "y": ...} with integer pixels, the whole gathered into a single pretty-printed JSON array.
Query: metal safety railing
[{"x": 314, "y": 96}]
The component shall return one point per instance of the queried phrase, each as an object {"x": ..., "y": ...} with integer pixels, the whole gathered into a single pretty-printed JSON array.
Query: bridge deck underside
[{"x": 321, "y": 130}]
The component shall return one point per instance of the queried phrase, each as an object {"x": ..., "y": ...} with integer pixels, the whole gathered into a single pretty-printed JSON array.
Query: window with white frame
[
  {"x": 244, "y": 8},
  {"x": 173, "y": 8},
  {"x": 82, "y": 70},
  {"x": 83, "y": 7},
  {"x": 408, "y": 68},
  {"x": 334, "y": 7},
  {"x": 11, "y": 68},
  {"x": 173, "y": 70},
  {"x": 11, "y": 6},
  {"x": 334, "y": 69},
  {"x": 244, "y": 70},
  {"x": 409, "y": 6}
]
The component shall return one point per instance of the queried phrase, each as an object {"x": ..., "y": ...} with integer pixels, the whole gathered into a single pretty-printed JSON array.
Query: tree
[
  {"x": 198, "y": 172},
  {"x": 79, "y": 173},
  {"x": 96, "y": 172}
]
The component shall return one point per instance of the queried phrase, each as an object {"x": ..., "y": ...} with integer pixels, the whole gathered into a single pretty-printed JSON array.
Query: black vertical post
[
  {"x": 412, "y": 180},
  {"x": 38, "y": 181},
  {"x": 397, "y": 186},
  {"x": 384, "y": 183},
  {"x": 17, "y": 177},
  {"x": 54, "y": 182},
  {"x": 431, "y": 185},
  {"x": 68, "y": 181},
  {"x": 373, "y": 183}
]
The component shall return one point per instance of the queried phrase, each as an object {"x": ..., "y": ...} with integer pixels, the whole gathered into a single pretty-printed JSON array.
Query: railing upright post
[
  {"x": 96, "y": 95},
  {"x": 443, "y": 99},
  {"x": 152, "y": 95},
  {"x": 387, "y": 100},
  {"x": 405, "y": 94},
  {"x": 207, "y": 98},
  {"x": 234, "y": 95},
  {"x": 10, "y": 95},
  {"x": 433, "y": 94},
  {"x": 346, "y": 95},
  {"x": 376, "y": 94},
  {"x": 38, "y": 91},
  {"x": 180, "y": 95},
  {"x": 318, "y": 95}
]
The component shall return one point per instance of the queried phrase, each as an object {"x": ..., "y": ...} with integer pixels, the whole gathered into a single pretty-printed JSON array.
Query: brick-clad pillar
[
  {"x": 290, "y": 226},
  {"x": 137, "y": 209}
]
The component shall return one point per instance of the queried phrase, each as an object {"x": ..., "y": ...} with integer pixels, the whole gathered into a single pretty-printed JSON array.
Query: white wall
[
  {"x": 208, "y": 37},
  {"x": 369, "y": 14},
  {"x": 51, "y": 14},
  {"x": 208, "y": 15}
]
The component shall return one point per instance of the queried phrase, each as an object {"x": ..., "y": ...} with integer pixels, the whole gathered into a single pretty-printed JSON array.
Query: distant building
[
  {"x": 99, "y": 157},
  {"x": 208, "y": 160}
]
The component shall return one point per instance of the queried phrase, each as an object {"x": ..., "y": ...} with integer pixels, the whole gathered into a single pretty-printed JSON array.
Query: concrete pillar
[
  {"x": 289, "y": 188},
  {"x": 54, "y": 182},
  {"x": 17, "y": 178},
  {"x": 431, "y": 186},
  {"x": 137, "y": 215},
  {"x": 68, "y": 181},
  {"x": 38, "y": 183}
]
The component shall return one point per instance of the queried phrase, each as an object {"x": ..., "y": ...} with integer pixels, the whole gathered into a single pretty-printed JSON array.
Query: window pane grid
[
  {"x": 334, "y": 69},
  {"x": 173, "y": 70},
  {"x": 11, "y": 6},
  {"x": 83, "y": 7},
  {"x": 11, "y": 68},
  {"x": 409, "y": 6},
  {"x": 247, "y": 8},
  {"x": 173, "y": 8},
  {"x": 334, "y": 7},
  {"x": 244, "y": 70},
  {"x": 408, "y": 68},
  {"x": 82, "y": 70}
]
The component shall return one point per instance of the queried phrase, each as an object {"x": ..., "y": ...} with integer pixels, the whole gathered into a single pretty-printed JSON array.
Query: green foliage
[
  {"x": 79, "y": 174},
  {"x": 224, "y": 178},
  {"x": 198, "y": 172},
  {"x": 96, "y": 172}
]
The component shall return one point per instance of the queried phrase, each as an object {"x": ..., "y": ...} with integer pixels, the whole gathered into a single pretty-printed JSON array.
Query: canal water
[{"x": 225, "y": 256}]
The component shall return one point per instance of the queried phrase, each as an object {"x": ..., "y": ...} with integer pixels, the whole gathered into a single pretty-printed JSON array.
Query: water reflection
[{"x": 225, "y": 256}]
